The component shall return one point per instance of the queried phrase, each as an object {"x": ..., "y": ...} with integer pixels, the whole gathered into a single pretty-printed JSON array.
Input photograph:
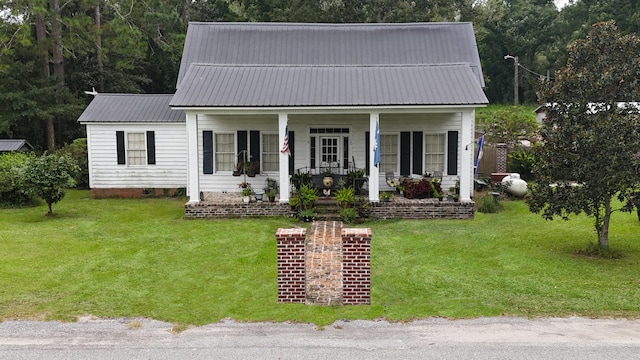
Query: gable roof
[
  {"x": 312, "y": 59},
  {"x": 7, "y": 145},
  {"x": 131, "y": 108},
  {"x": 268, "y": 86}
]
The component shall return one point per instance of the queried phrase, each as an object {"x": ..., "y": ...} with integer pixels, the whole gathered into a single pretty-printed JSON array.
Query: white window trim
[
  {"x": 126, "y": 149},
  {"x": 424, "y": 152},
  {"x": 277, "y": 153},
  {"x": 235, "y": 151},
  {"x": 397, "y": 135}
]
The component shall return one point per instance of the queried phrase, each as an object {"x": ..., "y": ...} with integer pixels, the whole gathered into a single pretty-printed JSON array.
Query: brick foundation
[
  {"x": 423, "y": 209},
  {"x": 356, "y": 266},
  {"x": 291, "y": 265},
  {"x": 102, "y": 193},
  {"x": 211, "y": 210}
]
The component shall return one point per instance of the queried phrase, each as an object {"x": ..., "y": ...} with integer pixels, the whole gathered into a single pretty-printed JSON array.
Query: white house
[
  {"x": 335, "y": 94},
  {"x": 136, "y": 143}
]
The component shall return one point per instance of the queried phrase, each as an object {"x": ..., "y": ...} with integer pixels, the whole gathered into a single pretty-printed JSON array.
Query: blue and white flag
[
  {"x": 376, "y": 147},
  {"x": 478, "y": 156}
]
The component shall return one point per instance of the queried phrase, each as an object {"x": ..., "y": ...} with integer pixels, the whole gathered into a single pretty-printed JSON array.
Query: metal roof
[
  {"x": 330, "y": 44},
  {"x": 131, "y": 108},
  {"x": 267, "y": 86},
  {"x": 14, "y": 145}
]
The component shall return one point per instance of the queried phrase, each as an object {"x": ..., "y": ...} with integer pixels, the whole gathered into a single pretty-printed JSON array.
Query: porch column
[
  {"x": 467, "y": 154},
  {"x": 283, "y": 120},
  {"x": 374, "y": 178},
  {"x": 193, "y": 170}
]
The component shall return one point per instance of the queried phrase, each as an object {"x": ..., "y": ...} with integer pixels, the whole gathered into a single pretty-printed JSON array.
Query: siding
[
  {"x": 300, "y": 124},
  {"x": 170, "y": 170}
]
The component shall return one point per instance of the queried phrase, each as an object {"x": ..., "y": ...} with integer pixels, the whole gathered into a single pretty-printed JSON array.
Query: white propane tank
[{"x": 514, "y": 185}]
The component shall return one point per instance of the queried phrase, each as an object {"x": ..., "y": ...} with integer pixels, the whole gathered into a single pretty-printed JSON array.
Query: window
[
  {"x": 388, "y": 153},
  {"x": 136, "y": 151},
  {"x": 224, "y": 152},
  {"x": 137, "y": 148},
  {"x": 270, "y": 153},
  {"x": 434, "y": 145}
]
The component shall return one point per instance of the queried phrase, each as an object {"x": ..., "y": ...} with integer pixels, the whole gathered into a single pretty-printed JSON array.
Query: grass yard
[{"x": 140, "y": 258}]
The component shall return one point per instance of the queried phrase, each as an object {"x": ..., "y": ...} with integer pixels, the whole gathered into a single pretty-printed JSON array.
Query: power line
[{"x": 534, "y": 73}]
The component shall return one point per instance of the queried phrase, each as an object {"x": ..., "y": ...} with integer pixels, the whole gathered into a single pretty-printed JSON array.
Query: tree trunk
[
  {"x": 186, "y": 15},
  {"x": 56, "y": 35},
  {"x": 99, "y": 60},
  {"x": 603, "y": 232},
  {"x": 50, "y": 213},
  {"x": 41, "y": 39}
]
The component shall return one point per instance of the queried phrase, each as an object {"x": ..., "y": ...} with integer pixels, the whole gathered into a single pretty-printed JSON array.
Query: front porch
[{"x": 230, "y": 205}]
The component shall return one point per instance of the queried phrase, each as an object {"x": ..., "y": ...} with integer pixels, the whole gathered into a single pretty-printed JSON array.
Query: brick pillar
[
  {"x": 356, "y": 265},
  {"x": 501, "y": 158},
  {"x": 291, "y": 265}
]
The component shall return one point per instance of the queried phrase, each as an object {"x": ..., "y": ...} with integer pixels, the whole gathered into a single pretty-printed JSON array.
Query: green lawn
[{"x": 131, "y": 258}]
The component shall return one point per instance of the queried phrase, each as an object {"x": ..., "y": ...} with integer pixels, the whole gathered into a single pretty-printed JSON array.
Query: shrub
[
  {"x": 47, "y": 177},
  {"x": 13, "y": 190},
  {"x": 349, "y": 215},
  {"x": 521, "y": 161},
  {"x": 487, "y": 204},
  {"x": 345, "y": 197},
  {"x": 77, "y": 150}
]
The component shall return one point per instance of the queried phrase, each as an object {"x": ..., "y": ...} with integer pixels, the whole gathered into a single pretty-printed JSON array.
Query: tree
[
  {"x": 47, "y": 177},
  {"x": 591, "y": 136}
]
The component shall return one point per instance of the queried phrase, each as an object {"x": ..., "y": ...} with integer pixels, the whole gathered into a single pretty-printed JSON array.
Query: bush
[
  {"x": 521, "y": 161},
  {"x": 77, "y": 150},
  {"x": 349, "y": 215},
  {"x": 487, "y": 204},
  {"x": 13, "y": 190},
  {"x": 48, "y": 175}
]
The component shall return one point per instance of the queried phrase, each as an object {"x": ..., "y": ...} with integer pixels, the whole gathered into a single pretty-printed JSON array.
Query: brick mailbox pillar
[
  {"x": 356, "y": 266},
  {"x": 291, "y": 265}
]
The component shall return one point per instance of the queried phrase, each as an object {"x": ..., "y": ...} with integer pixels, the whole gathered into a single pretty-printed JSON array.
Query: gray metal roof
[
  {"x": 208, "y": 85},
  {"x": 330, "y": 44},
  {"x": 131, "y": 108},
  {"x": 14, "y": 145}
]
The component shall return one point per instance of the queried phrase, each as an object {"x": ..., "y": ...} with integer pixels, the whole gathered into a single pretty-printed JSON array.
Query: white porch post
[
  {"x": 283, "y": 120},
  {"x": 193, "y": 170},
  {"x": 374, "y": 178},
  {"x": 467, "y": 155}
]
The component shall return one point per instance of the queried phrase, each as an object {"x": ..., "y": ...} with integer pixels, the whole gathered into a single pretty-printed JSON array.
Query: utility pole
[{"x": 515, "y": 77}]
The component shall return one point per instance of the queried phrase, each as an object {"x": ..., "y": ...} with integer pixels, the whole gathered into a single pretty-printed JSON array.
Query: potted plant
[
  {"x": 300, "y": 178},
  {"x": 386, "y": 196},
  {"x": 246, "y": 195},
  {"x": 239, "y": 169},
  {"x": 307, "y": 215},
  {"x": 327, "y": 180},
  {"x": 253, "y": 168},
  {"x": 345, "y": 197},
  {"x": 308, "y": 196},
  {"x": 271, "y": 194},
  {"x": 356, "y": 179},
  {"x": 438, "y": 195}
]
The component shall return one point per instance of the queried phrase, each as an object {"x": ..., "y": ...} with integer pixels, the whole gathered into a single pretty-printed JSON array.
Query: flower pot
[
  {"x": 272, "y": 198},
  {"x": 258, "y": 197},
  {"x": 246, "y": 199}
]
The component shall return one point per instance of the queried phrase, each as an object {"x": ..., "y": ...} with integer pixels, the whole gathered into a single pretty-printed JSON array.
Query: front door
[{"x": 330, "y": 151}]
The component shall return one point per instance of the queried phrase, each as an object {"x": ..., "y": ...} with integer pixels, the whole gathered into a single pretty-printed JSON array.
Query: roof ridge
[
  {"x": 330, "y": 66},
  {"x": 298, "y": 24}
]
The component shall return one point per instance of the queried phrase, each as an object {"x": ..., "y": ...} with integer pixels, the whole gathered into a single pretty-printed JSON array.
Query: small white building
[{"x": 136, "y": 144}]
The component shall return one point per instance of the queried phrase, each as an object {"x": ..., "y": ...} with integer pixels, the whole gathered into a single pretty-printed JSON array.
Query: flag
[
  {"x": 376, "y": 147},
  {"x": 478, "y": 156},
  {"x": 285, "y": 143}
]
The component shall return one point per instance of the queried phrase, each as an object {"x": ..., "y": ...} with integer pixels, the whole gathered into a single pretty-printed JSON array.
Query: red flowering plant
[{"x": 422, "y": 189}]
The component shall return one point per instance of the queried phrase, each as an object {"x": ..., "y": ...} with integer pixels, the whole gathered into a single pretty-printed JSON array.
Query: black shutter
[
  {"x": 207, "y": 152},
  {"x": 418, "y": 139},
  {"x": 405, "y": 153},
  {"x": 452, "y": 153},
  {"x": 367, "y": 155},
  {"x": 242, "y": 145},
  {"x": 151, "y": 148},
  {"x": 345, "y": 153},
  {"x": 292, "y": 141},
  {"x": 254, "y": 148},
  {"x": 122, "y": 160}
]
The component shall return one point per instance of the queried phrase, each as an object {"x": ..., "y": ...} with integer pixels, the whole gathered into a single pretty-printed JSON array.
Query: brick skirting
[
  {"x": 254, "y": 209},
  {"x": 423, "y": 209}
]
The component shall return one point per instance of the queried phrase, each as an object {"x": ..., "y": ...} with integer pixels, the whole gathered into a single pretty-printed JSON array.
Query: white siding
[
  {"x": 358, "y": 124},
  {"x": 170, "y": 170}
]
